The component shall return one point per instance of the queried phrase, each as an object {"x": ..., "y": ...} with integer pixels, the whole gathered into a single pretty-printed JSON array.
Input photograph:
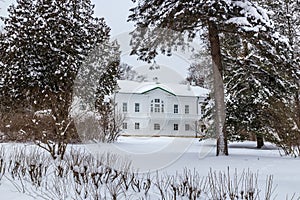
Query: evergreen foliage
[
  {"x": 261, "y": 73},
  {"x": 42, "y": 47},
  {"x": 169, "y": 23},
  {"x": 44, "y": 44}
]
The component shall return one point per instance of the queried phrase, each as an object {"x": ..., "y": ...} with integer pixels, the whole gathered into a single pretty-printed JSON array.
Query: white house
[{"x": 152, "y": 108}]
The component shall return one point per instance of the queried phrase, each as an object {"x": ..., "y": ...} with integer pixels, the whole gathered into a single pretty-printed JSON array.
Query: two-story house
[{"x": 152, "y": 108}]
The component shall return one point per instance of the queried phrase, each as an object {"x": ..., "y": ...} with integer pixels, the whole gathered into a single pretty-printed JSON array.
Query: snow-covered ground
[
  {"x": 201, "y": 156},
  {"x": 171, "y": 155}
]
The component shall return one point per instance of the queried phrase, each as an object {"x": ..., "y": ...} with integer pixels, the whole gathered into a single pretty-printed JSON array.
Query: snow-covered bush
[
  {"x": 101, "y": 125},
  {"x": 83, "y": 176}
]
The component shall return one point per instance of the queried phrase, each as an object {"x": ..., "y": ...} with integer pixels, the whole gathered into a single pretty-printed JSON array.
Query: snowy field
[
  {"x": 171, "y": 155},
  {"x": 201, "y": 156}
]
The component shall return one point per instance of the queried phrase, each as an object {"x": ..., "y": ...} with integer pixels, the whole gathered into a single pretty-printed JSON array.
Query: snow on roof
[{"x": 172, "y": 88}]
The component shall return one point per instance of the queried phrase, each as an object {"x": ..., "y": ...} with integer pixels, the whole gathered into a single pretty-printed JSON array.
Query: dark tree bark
[
  {"x": 297, "y": 102},
  {"x": 259, "y": 141},
  {"x": 189, "y": 18},
  {"x": 218, "y": 89}
]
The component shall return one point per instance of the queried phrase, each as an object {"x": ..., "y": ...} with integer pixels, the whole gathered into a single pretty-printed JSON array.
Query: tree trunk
[
  {"x": 218, "y": 89},
  {"x": 297, "y": 102},
  {"x": 259, "y": 141}
]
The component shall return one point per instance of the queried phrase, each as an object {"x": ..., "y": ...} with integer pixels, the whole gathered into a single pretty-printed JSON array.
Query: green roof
[{"x": 160, "y": 89}]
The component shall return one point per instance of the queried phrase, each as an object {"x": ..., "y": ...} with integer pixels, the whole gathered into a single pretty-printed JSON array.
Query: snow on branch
[{"x": 253, "y": 17}]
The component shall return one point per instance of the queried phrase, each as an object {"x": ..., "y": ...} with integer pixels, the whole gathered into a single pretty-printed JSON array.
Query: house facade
[{"x": 160, "y": 109}]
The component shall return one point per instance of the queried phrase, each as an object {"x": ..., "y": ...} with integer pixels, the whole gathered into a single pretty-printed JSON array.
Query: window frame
[
  {"x": 187, "y": 109},
  {"x": 136, "y": 107},
  {"x": 125, "y": 125},
  {"x": 157, "y": 106},
  {"x": 176, "y": 108},
  {"x": 156, "y": 127},
  {"x": 125, "y": 107},
  {"x": 175, "y": 127},
  {"x": 137, "y": 126},
  {"x": 186, "y": 127}
]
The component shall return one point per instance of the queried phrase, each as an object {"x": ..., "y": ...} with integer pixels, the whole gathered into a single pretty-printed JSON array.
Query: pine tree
[
  {"x": 191, "y": 17},
  {"x": 263, "y": 79},
  {"x": 251, "y": 81},
  {"x": 286, "y": 17},
  {"x": 44, "y": 44}
]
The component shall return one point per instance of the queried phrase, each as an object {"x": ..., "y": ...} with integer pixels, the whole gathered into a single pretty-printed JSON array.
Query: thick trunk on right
[
  {"x": 297, "y": 102},
  {"x": 259, "y": 141},
  {"x": 218, "y": 87}
]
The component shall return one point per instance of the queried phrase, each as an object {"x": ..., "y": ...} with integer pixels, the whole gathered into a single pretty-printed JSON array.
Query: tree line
[
  {"x": 49, "y": 48},
  {"x": 254, "y": 48}
]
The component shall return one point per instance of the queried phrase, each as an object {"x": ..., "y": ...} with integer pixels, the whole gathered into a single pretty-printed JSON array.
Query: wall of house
[{"x": 165, "y": 120}]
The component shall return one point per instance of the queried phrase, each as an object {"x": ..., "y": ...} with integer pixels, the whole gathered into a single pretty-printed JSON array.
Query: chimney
[
  {"x": 188, "y": 86},
  {"x": 155, "y": 79}
]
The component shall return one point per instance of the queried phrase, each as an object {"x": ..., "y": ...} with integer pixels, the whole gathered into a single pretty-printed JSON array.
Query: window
[
  {"x": 202, "y": 109},
  {"x": 186, "y": 109},
  {"x": 175, "y": 108},
  {"x": 156, "y": 126},
  {"x": 175, "y": 127},
  {"x": 124, "y": 107},
  {"x": 124, "y": 125},
  {"x": 157, "y": 106},
  {"x": 203, "y": 127},
  {"x": 137, "y": 107},
  {"x": 136, "y": 126},
  {"x": 187, "y": 127}
]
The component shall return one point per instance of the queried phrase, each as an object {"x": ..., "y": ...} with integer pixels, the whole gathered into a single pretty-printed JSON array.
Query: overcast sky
[{"x": 115, "y": 13}]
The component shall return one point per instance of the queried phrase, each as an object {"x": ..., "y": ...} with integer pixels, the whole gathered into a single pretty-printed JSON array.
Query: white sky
[{"x": 115, "y": 13}]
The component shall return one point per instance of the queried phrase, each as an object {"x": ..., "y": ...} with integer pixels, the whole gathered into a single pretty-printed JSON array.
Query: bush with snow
[{"x": 83, "y": 176}]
